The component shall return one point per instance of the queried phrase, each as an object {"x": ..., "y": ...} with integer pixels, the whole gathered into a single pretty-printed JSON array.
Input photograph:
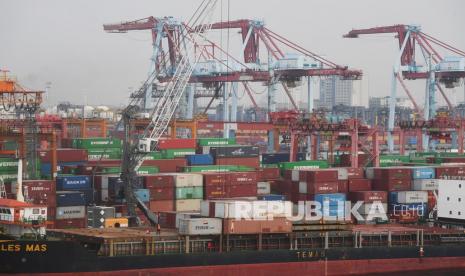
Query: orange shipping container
[
  {"x": 161, "y": 205},
  {"x": 277, "y": 225}
]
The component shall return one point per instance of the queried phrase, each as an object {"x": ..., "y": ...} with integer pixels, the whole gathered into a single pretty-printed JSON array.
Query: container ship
[{"x": 299, "y": 191}]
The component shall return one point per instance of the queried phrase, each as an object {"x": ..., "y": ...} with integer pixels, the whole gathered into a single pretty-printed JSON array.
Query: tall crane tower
[
  {"x": 436, "y": 68},
  {"x": 161, "y": 113}
]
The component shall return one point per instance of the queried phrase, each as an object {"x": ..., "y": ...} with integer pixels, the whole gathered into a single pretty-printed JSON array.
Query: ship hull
[{"x": 66, "y": 258}]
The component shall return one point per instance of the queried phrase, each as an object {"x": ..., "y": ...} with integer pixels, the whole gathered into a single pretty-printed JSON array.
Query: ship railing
[{"x": 6, "y": 217}]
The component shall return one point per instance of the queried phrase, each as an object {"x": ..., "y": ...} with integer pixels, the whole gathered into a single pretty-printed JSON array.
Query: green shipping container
[
  {"x": 214, "y": 168},
  {"x": 106, "y": 155},
  {"x": 148, "y": 170},
  {"x": 423, "y": 154},
  {"x": 154, "y": 155},
  {"x": 189, "y": 192},
  {"x": 309, "y": 164},
  {"x": 216, "y": 141},
  {"x": 9, "y": 165},
  {"x": 96, "y": 143},
  {"x": 392, "y": 160},
  {"x": 173, "y": 153}
]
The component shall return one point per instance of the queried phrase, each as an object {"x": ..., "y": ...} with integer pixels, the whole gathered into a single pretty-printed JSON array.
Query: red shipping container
[
  {"x": 342, "y": 186},
  {"x": 318, "y": 175},
  {"x": 252, "y": 162},
  {"x": 177, "y": 144},
  {"x": 162, "y": 193},
  {"x": 247, "y": 178},
  {"x": 444, "y": 172},
  {"x": 392, "y": 185},
  {"x": 70, "y": 223},
  {"x": 155, "y": 181},
  {"x": 64, "y": 155},
  {"x": 288, "y": 186},
  {"x": 393, "y": 173},
  {"x": 167, "y": 219},
  {"x": 86, "y": 170},
  {"x": 296, "y": 197},
  {"x": 322, "y": 187},
  {"x": 51, "y": 213},
  {"x": 274, "y": 186},
  {"x": 355, "y": 173},
  {"x": 161, "y": 205},
  {"x": 243, "y": 190},
  {"x": 359, "y": 185},
  {"x": 33, "y": 187},
  {"x": 216, "y": 191},
  {"x": 166, "y": 165},
  {"x": 369, "y": 196},
  {"x": 44, "y": 198},
  {"x": 214, "y": 179},
  {"x": 265, "y": 174}
]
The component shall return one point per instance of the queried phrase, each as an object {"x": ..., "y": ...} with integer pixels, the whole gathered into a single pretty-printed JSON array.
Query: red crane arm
[{"x": 140, "y": 24}]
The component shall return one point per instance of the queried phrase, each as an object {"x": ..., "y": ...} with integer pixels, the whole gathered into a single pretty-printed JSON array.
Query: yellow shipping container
[{"x": 116, "y": 222}]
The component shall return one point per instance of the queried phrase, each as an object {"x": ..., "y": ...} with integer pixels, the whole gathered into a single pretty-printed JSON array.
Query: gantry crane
[
  {"x": 436, "y": 69},
  {"x": 161, "y": 114}
]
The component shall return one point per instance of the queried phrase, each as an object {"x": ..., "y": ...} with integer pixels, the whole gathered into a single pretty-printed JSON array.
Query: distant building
[
  {"x": 380, "y": 102},
  {"x": 335, "y": 91}
]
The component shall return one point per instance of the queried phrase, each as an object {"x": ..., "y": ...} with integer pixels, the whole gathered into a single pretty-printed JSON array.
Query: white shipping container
[
  {"x": 342, "y": 174},
  {"x": 188, "y": 180},
  {"x": 200, "y": 226},
  {"x": 451, "y": 199},
  {"x": 187, "y": 205},
  {"x": 407, "y": 197},
  {"x": 71, "y": 212},
  {"x": 425, "y": 184},
  {"x": 188, "y": 215},
  {"x": 302, "y": 187},
  {"x": 255, "y": 209},
  {"x": 104, "y": 194},
  {"x": 450, "y": 64},
  {"x": 263, "y": 188},
  {"x": 295, "y": 175}
]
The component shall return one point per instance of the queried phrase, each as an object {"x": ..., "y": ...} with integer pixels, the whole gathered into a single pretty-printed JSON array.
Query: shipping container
[
  {"x": 71, "y": 212},
  {"x": 243, "y": 190},
  {"x": 153, "y": 155},
  {"x": 187, "y": 205},
  {"x": 216, "y": 168},
  {"x": 200, "y": 226},
  {"x": 237, "y": 178},
  {"x": 166, "y": 165},
  {"x": 425, "y": 184},
  {"x": 265, "y": 174},
  {"x": 189, "y": 192},
  {"x": 392, "y": 160},
  {"x": 76, "y": 182},
  {"x": 216, "y": 141},
  {"x": 263, "y": 188},
  {"x": 251, "y": 162},
  {"x": 330, "y": 199},
  {"x": 176, "y": 153},
  {"x": 234, "y": 151},
  {"x": 171, "y": 219},
  {"x": 359, "y": 185},
  {"x": 318, "y": 187},
  {"x": 302, "y": 165},
  {"x": 272, "y": 197},
  {"x": 8, "y": 165},
  {"x": 116, "y": 222},
  {"x": 70, "y": 198},
  {"x": 161, "y": 205},
  {"x": 176, "y": 144},
  {"x": 33, "y": 187},
  {"x": 216, "y": 191},
  {"x": 318, "y": 175},
  {"x": 104, "y": 154},
  {"x": 408, "y": 197},
  {"x": 96, "y": 143},
  {"x": 369, "y": 196},
  {"x": 343, "y": 186},
  {"x": 392, "y": 184},
  {"x": 373, "y": 208},
  {"x": 64, "y": 155},
  {"x": 43, "y": 198},
  {"x": 451, "y": 198},
  {"x": 96, "y": 215},
  {"x": 392, "y": 173},
  {"x": 142, "y": 194},
  {"x": 162, "y": 193},
  {"x": 70, "y": 223},
  {"x": 213, "y": 179},
  {"x": 423, "y": 172},
  {"x": 253, "y": 209},
  {"x": 159, "y": 181},
  {"x": 277, "y": 225},
  {"x": 199, "y": 159}
]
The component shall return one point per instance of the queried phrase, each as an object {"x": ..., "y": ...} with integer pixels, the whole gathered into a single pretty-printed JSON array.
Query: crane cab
[{"x": 146, "y": 144}]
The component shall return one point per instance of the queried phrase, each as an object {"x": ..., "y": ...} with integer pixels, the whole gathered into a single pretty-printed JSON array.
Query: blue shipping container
[
  {"x": 70, "y": 198},
  {"x": 423, "y": 173},
  {"x": 272, "y": 197},
  {"x": 75, "y": 182},
  {"x": 332, "y": 198},
  {"x": 420, "y": 208},
  {"x": 199, "y": 159},
  {"x": 143, "y": 194},
  {"x": 45, "y": 168}
]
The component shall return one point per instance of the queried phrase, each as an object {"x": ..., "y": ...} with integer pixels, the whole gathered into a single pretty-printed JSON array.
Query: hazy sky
[{"x": 63, "y": 42}]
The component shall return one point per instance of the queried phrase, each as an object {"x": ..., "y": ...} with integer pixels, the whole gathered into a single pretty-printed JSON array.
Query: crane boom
[{"x": 164, "y": 109}]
